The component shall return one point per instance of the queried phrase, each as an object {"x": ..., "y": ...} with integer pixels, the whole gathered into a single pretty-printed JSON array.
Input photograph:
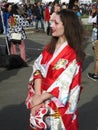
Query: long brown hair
[{"x": 73, "y": 31}]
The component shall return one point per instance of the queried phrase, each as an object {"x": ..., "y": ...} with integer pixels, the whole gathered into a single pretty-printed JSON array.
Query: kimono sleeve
[{"x": 36, "y": 66}]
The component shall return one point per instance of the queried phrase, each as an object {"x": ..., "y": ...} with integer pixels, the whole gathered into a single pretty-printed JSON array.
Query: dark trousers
[{"x": 42, "y": 23}]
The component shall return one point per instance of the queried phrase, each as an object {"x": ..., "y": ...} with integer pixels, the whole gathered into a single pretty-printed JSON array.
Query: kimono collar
[
  {"x": 61, "y": 48},
  {"x": 54, "y": 56}
]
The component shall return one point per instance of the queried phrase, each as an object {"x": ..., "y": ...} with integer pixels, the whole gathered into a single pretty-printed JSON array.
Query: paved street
[{"x": 13, "y": 88}]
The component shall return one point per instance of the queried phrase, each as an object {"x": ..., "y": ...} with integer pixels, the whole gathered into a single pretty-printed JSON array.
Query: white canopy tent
[
  {"x": 66, "y": 1},
  {"x": 47, "y": 1},
  {"x": 14, "y": 1}
]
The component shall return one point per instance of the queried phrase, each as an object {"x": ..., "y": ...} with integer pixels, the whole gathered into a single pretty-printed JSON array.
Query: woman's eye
[
  {"x": 56, "y": 22},
  {"x": 51, "y": 22}
]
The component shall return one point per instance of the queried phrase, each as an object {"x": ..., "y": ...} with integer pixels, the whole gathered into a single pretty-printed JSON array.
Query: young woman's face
[
  {"x": 9, "y": 8},
  {"x": 56, "y": 8},
  {"x": 57, "y": 26}
]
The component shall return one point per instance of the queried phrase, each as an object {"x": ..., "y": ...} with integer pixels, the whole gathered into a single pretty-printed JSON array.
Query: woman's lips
[{"x": 53, "y": 31}]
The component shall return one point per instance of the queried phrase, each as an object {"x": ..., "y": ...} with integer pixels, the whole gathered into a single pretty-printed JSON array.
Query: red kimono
[{"x": 62, "y": 78}]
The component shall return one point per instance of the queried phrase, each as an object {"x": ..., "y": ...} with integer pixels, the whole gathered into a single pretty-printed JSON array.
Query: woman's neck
[{"x": 59, "y": 43}]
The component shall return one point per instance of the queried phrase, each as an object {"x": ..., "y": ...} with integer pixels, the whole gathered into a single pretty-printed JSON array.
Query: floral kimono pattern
[{"x": 61, "y": 77}]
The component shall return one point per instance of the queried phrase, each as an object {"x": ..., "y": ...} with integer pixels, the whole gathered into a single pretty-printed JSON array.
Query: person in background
[
  {"x": 55, "y": 83},
  {"x": 39, "y": 16},
  {"x": 51, "y": 8},
  {"x": 48, "y": 12},
  {"x": 57, "y": 7},
  {"x": 6, "y": 15},
  {"x": 47, "y": 19},
  {"x": 76, "y": 3},
  {"x": 15, "y": 25},
  {"x": 1, "y": 22},
  {"x": 77, "y": 11},
  {"x": 1, "y": 25},
  {"x": 93, "y": 18}
]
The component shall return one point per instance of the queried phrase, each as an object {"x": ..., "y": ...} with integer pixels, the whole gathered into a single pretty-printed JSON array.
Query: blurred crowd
[
  {"x": 14, "y": 17},
  {"x": 31, "y": 12}
]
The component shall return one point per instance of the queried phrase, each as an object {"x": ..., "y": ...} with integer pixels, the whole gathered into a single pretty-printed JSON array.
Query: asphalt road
[{"x": 13, "y": 89}]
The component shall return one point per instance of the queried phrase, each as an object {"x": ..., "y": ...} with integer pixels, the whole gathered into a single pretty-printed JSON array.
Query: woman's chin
[{"x": 54, "y": 35}]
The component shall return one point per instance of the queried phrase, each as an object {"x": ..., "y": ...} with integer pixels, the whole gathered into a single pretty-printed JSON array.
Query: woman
[
  {"x": 6, "y": 14},
  {"x": 93, "y": 18},
  {"x": 54, "y": 86},
  {"x": 16, "y": 23},
  {"x": 47, "y": 19}
]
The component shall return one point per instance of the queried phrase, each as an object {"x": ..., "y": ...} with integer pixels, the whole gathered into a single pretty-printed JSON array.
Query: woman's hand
[
  {"x": 36, "y": 108},
  {"x": 36, "y": 100}
]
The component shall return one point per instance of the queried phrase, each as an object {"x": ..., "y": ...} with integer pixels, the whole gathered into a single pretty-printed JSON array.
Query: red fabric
[
  {"x": 55, "y": 73},
  {"x": 47, "y": 15},
  {"x": 68, "y": 54},
  {"x": 37, "y": 76}
]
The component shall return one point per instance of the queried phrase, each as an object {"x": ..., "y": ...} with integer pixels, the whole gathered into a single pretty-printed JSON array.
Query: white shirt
[{"x": 92, "y": 19}]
